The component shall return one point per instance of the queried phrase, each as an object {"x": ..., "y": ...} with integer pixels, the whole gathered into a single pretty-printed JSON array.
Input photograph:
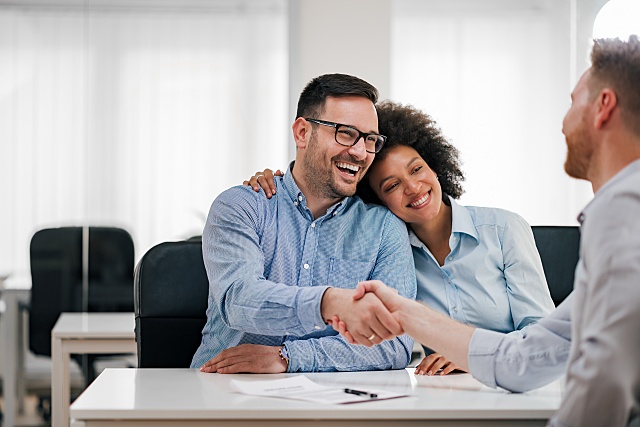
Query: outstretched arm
[{"x": 518, "y": 361}]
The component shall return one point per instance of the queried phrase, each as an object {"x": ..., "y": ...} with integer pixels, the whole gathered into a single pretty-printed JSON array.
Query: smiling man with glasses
[{"x": 279, "y": 269}]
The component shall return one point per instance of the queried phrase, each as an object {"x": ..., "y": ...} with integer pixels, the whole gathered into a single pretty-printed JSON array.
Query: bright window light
[{"x": 618, "y": 18}]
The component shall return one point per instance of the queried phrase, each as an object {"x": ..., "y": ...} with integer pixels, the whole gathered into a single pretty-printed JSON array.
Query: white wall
[
  {"x": 338, "y": 36},
  {"x": 134, "y": 113},
  {"x": 495, "y": 74},
  {"x": 115, "y": 109}
]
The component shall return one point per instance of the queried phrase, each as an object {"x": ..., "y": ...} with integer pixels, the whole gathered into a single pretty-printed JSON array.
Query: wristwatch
[{"x": 284, "y": 354}]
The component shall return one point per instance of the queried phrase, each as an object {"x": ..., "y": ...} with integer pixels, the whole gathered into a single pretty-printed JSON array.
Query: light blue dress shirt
[
  {"x": 269, "y": 262},
  {"x": 493, "y": 276}
]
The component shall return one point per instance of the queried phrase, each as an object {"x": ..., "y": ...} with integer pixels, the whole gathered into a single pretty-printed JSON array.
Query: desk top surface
[
  {"x": 95, "y": 325},
  {"x": 190, "y": 394},
  {"x": 17, "y": 282}
]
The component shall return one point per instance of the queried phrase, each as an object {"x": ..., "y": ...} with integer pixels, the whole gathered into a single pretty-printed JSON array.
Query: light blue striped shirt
[
  {"x": 493, "y": 276},
  {"x": 269, "y": 263}
]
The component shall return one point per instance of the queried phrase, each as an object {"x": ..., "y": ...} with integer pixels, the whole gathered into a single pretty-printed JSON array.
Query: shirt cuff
[
  {"x": 301, "y": 356},
  {"x": 482, "y": 355},
  {"x": 308, "y": 304}
]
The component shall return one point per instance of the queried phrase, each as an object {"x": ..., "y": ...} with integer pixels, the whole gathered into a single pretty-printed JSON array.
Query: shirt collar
[
  {"x": 300, "y": 201},
  {"x": 629, "y": 170},
  {"x": 461, "y": 220},
  {"x": 461, "y": 223}
]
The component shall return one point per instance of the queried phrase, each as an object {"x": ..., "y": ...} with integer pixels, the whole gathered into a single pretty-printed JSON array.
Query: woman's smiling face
[{"x": 406, "y": 185}]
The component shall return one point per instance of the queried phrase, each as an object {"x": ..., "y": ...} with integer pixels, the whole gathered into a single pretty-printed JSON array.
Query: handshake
[
  {"x": 367, "y": 316},
  {"x": 374, "y": 312}
]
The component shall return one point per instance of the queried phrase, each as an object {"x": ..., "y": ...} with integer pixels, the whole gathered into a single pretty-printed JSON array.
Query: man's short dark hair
[
  {"x": 313, "y": 97},
  {"x": 616, "y": 64}
]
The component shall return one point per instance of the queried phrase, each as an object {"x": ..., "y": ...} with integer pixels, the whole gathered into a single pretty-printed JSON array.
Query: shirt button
[
  {"x": 450, "y": 258},
  {"x": 455, "y": 309},
  {"x": 295, "y": 203},
  {"x": 300, "y": 198},
  {"x": 313, "y": 225},
  {"x": 317, "y": 327},
  {"x": 306, "y": 266}
]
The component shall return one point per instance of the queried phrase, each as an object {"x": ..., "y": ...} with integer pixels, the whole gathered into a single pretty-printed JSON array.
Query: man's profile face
[
  {"x": 576, "y": 130},
  {"x": 333, "y": 170}
]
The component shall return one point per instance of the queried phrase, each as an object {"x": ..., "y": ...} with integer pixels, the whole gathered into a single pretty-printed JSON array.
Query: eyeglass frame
[{"x": 360, "y": 134}]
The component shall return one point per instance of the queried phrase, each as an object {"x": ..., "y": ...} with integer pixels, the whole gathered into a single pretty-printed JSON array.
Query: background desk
[
  {"x": 187, "y": 397},
  {"x": 13, "y": 291},
  {"x": 84, "y": 333}
]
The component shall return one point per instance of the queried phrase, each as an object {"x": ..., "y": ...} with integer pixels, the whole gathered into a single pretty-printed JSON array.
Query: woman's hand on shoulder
[{"x": 264, "y": 180}]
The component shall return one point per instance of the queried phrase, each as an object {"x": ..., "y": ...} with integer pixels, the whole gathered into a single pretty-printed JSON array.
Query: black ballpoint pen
[{"x": 360, "y": 393}]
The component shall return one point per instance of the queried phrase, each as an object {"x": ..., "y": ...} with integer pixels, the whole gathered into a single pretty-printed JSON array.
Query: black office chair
[
  {"x": 57, "y": 277},
  {"x": 559, "y": 248},
  {"x": 171, "y": 291}
]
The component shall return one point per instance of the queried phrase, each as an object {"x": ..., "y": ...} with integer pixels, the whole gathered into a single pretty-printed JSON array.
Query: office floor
[
  {"x": 31, "y": 417},
  {"x": 38, "y": 377}
]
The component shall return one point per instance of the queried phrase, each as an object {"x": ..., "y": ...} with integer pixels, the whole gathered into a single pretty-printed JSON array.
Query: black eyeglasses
[{"x": 349, "y": 136}]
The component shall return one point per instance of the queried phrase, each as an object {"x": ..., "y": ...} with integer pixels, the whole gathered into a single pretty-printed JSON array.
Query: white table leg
[
  {"x": 21, "y": 385},
  {"x": 60, "y": 388},
  {"x": 9, "y": 356},
  {"x": 61, "y": 349}
]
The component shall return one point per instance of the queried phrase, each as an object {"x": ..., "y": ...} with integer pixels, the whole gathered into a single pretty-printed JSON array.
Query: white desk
[
  {"x": 187, "y": 397},
  {"x": 84, "y": 333},
  {"x": 14, "y": 291}
]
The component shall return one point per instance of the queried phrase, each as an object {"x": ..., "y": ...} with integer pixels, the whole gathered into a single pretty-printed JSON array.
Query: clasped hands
[
  {"x": 370, "y": 321},
  {"x": 399, "y": 308}
]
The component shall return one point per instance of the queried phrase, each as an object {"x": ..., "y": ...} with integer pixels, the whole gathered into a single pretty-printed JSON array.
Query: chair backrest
[
  {"x": 56, "y": 277},
  {"x": 171, "y": 291},
  {"x": 559, "y": 248}
]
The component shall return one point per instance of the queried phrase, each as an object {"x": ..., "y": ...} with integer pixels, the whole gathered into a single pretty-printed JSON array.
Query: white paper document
[
  {"x": 451, "y": 381},
  {"x": 302, "y": 388}
]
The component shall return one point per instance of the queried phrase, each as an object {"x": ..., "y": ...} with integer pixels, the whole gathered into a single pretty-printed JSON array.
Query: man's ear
[
  {"x": 605, "y": 106},
  {"x": 301, "y": 132}
]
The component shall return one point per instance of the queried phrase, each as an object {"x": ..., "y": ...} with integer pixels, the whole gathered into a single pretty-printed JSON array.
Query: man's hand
[
  {"x": 369, "y": 320},
  {"x": 265, "y": 180},
  {"x": 388, "y": 296},
  {"x": 247, "y": 358}
]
